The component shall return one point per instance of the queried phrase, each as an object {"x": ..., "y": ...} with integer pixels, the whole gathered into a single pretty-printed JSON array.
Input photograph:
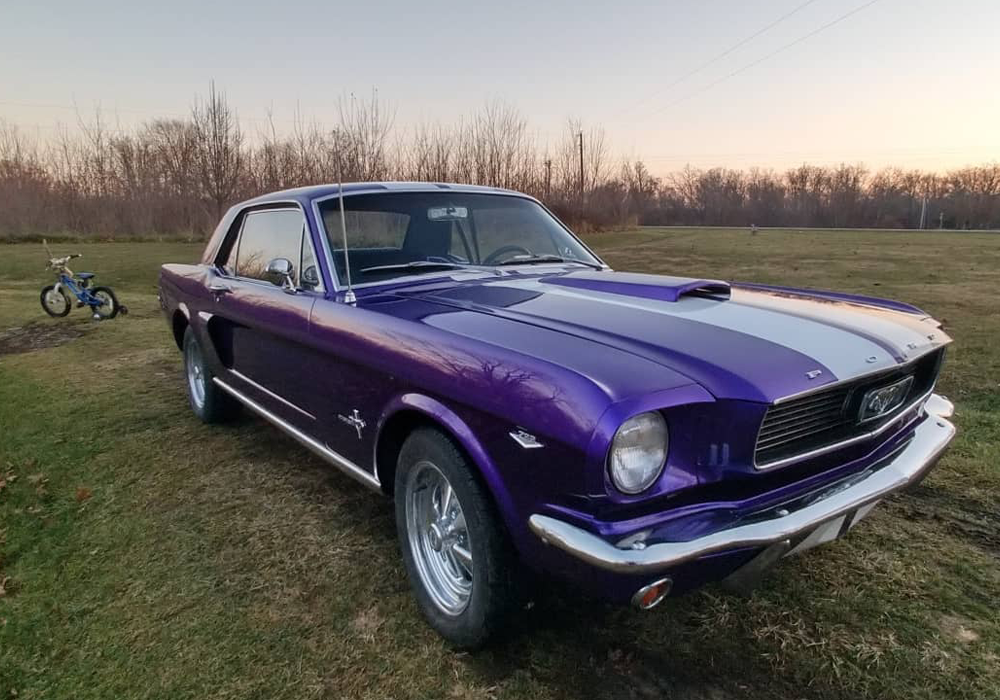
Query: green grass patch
[{"x": 143, "y": 554}]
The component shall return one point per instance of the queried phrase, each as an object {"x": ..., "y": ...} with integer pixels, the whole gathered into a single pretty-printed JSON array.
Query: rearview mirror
[
  {"x": 280, "y": 271},
  {"x": 448, "y": 213}
]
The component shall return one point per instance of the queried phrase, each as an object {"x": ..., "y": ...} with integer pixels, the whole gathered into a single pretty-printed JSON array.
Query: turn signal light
[{"x": 649, "y": 596}]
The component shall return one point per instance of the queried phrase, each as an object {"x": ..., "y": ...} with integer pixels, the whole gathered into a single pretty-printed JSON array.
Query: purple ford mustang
[{"x": 460, "y": 350}]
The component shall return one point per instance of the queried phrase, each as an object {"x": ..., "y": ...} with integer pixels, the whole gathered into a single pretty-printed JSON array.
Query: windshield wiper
[
  {"x": 424, "y": 265},
  {"x": 534, "y": 259}
]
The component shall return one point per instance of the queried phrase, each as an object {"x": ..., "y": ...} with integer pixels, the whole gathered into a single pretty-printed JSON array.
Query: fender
[{"x": 460, "y": 431}]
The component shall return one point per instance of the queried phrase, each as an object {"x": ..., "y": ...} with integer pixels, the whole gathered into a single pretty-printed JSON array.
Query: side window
[
  {"x": 308, "y": 271},
  {"x": 267, "y": 235}
]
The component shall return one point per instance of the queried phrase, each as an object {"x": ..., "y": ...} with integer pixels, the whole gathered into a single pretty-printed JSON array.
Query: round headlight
[{"x": 638, "y": 452}]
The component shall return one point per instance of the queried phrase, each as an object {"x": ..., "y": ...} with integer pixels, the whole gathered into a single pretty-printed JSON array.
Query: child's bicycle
[{"x": 55, "y": 300}]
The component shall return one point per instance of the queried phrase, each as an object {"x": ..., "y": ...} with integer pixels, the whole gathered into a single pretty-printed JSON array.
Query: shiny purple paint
[{"x": 563, "y": 353}]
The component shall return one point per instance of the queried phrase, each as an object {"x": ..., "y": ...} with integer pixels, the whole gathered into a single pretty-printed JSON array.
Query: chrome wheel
[
  {"x": 195, "y": 374},
  {"x": 438, "y": 538}
]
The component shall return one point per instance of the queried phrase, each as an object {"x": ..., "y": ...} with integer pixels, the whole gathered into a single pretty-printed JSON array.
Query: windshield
[{"x": 405, "y": 233}]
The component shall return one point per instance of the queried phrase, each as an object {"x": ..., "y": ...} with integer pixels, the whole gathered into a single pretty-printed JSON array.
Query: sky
[{"x": 772, "y": 83}]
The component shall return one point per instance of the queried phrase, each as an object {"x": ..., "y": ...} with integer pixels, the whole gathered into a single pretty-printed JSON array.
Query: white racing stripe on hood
[
  {"x": 906, "y": 333},
  {"x": 844, "y": 353}
]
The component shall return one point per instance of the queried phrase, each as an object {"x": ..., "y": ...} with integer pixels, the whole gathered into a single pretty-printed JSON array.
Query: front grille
[{"x": 830, "y": 416}]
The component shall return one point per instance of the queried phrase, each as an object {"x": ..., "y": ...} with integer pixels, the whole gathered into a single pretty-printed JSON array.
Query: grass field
[{"x": 143, "y": 554}]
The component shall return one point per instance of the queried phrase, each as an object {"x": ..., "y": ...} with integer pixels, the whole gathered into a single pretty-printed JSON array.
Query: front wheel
[
  {"x": 458, "y": 558},
  {"x": 55, "y": 303},
  {"x": 108, "y": 303}
]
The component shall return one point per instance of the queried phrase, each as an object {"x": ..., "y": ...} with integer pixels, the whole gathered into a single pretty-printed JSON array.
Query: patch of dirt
[
  {"x": 958, "y": 629},
  {"x": 36, "y": 336},
  {"x": 965, "y": 518}
]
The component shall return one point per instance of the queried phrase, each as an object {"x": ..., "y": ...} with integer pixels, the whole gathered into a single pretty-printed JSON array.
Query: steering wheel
[{"x": 503, "y": 250}]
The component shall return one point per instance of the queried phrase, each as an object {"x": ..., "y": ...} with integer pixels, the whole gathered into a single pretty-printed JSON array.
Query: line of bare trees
[{"x": 175, "y": 177}]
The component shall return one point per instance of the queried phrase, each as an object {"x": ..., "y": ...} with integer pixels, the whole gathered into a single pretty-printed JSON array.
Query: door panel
[
  {"x": 344, "y": 348},
  {"x": 266, "y": 328}
]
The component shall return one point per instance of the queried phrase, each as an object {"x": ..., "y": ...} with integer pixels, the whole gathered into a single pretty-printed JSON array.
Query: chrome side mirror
[
  {"x": 280, "y": 271},
  {"x": 310, "y": 277}
]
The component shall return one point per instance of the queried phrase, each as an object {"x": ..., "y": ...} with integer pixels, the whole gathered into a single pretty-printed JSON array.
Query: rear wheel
[
  {"x": 209, "y": 402},
  {"x": 56, "y": 303},
  {"x": 459, "y": 561},
  {"x": 108, "y": 307}
]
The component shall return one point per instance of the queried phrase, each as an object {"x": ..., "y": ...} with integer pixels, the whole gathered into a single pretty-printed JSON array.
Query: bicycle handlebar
[{"x": 61, "y": 262}]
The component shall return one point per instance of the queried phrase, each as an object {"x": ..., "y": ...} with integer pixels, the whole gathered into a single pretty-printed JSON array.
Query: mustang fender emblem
[
  {"x": 813, "y": 373},
  {"x": 354, "y": 420},
  {"x": 525, "y": 439}
]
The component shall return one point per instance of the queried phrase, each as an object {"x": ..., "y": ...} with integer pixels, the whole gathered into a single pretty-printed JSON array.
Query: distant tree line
[{"x": 177, "y": 176}]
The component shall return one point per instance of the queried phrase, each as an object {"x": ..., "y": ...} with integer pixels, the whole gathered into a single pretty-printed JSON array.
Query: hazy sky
[{"x": 908, "y": 82}]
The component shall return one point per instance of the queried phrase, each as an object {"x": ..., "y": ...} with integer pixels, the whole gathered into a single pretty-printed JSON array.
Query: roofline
[{"x": 312, "y": 193}]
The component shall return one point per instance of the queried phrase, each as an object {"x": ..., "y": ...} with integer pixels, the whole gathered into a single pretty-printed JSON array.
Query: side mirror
[
  {"x": 280, "y": 272},
  {"x": 310, "y": 277}
]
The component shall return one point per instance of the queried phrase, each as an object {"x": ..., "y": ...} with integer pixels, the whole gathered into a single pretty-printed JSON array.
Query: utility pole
[
  {"x": 941, "y": 221},
  {"x": 581, "y": 168},
  {"x": 923, "y": 214},
  {"x": 548, "y": 177}
]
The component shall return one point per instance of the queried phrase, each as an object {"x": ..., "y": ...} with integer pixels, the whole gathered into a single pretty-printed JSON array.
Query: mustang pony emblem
[
  {"x": 878, "y": 402},
  {"x": 354, "y": 420}
]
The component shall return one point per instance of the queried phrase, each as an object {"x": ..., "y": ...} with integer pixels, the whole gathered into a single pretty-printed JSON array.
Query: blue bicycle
[{"x": 55, "y": 300}]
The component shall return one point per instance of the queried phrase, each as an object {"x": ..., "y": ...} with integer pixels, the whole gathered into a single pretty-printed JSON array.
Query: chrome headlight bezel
[{"x": 644, "y": 432}]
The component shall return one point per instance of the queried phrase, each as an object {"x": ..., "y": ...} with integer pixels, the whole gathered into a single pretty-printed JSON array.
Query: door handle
[{"x": 219, "y": 289}]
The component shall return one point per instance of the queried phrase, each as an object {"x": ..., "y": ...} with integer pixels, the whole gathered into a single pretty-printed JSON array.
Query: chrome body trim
[
  {"x": 258, "y": 387},
  {"x": 861, "y": 437},
  {"x": 904, "y": 468},
  {"x": 342, "y": 463}
]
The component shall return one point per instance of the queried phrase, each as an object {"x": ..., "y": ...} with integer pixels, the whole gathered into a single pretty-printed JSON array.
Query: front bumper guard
[{"x": 904, "y": 468}]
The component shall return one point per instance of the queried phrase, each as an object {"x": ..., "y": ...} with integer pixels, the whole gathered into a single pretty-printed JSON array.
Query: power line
[
  {"x": 766, "y": 57},
  {"x": 712, "y": 61}
]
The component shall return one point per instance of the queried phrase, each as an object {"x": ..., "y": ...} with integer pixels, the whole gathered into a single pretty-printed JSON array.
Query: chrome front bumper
[{"x": 905, "y": 467}]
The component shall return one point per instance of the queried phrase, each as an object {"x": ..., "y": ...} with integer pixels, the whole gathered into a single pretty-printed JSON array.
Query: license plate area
[{"x": 831, "y": 529}]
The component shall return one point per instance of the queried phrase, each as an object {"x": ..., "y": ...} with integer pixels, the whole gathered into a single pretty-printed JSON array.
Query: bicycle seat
[{"x": 85, "y": 275}]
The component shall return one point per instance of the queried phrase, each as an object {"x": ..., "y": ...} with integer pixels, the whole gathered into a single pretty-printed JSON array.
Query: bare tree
[
  {"x": 169, "y": 177},
  {"x": 362, "y": 138},
  {"x": 220, "y": 149}
]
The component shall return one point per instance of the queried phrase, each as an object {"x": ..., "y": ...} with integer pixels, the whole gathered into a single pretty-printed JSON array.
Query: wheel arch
[
  {"x": 411, "y": 411},
  {"x": 179, "y": 322}
]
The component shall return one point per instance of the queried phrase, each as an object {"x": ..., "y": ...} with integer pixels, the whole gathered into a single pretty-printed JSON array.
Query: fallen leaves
[{"x": 82, "y": 494}]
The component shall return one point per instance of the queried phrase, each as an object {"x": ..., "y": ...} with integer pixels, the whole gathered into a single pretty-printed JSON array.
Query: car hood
[{"x": 739, "y": 342}]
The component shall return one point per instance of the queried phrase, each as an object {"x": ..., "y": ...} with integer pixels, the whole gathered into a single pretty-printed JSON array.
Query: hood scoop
[{"x": 658, "y": 287}]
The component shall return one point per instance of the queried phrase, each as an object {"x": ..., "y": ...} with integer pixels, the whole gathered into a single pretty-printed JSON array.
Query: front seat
[{"x": 427, "y": 239}]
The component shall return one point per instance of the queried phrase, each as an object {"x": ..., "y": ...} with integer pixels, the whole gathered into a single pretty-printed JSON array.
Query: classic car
[{"x": 529, "y": 410}]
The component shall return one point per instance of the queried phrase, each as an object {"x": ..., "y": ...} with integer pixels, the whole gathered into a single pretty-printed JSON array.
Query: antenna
[{"x": 349, "y": 296}]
